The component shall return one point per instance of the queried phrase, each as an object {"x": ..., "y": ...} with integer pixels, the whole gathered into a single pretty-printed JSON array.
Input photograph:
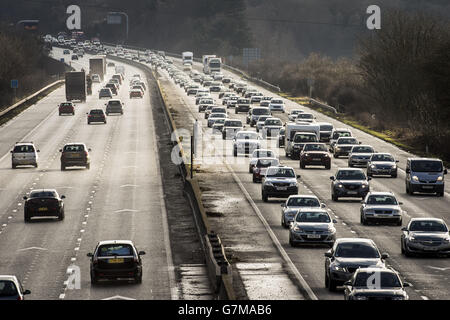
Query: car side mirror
[
  {"x": 63, "y": 197},
  {"x": 38, "y": 150},
  {"x": 11, "y": 151},
  {"x": 323, "y": 205},
  {"x": 26, "y": 292},
  {"x": 89, "y": 149},
  {"x": 397, "y": 161},
  {"x": 445, "y": 171},
  {"x": 332, "y": 178},
  {"x": 369, "y": 178},
  {"x": 407, "y": 284},
  {"x": 141, "y": 253},
  {"x": 60, "y": 150},
  {"x": 400, "y": 203},
  {"x": 283, "y": 205},
  {"x": 359, "y": 142},
  {"x": 298, "y": 176},
  {"x": 384, "y": 256},
  {"x": 25, "y": 198},
  {"x": 90, "y": 255},
  {"x": 328, "y": 254},
  {"x": 405, "y": 229}
]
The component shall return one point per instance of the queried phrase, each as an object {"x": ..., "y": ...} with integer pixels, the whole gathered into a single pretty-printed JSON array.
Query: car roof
[
  {"x": 43, "y": 190},
  {"x": 8, "y": 277},
  {"x": 24, "y": 144},
  {"x": 303, "y": 196},
  {"x": 418, "y": 159},
  {"x": 106, "y": 242},
  {"x": 314, "y": 209},
  {"x": 359, "y": 145},
  {"x": 381, "y": 193},
  {"x": 350, "y": 169},
  {"x": 341, "y": 129},
  {"x": 72, "y": 143},
  {"x": 360, "y": 240},
  {"x": 376, "y": 269},
  {"x": 427, "y": 219}
]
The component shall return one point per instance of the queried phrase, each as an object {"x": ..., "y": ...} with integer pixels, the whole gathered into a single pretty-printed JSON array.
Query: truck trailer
[{"x": 75, "y": 86}]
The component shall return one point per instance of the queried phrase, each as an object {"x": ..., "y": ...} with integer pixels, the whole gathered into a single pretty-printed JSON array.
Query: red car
[
  {"x": 259, "y": 171},
  {"x": 66, "y": 108},
  {"x": 315, "y": 154},
  {"x": 135, "y": 93}
]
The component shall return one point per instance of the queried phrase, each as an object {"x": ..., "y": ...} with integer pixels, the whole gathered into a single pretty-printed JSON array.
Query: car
[
  {"x": 294, "y": 113},
  {"x": 260, "y": 122},
  {"x": 281, "y": 137},
  {"x": 230, "y": 128},
  {"x": 276, "y": 105},
  {"x": 290, "y": 208},
  {"x": 388, "y": 285},
  {"x": 349, "y": 182},
  {"x": 74, "y": 57},
  {"x": 343, "y": 146},
  {"x": 231, "y": 101},
  {"x": 218, "y": 125},
  {"x": 325, "y": 131},
  {"x": 260, "y": 168},
  {"x": 136, "y": 93},
  {"x": 381, "y": 207},
  {"x": 245, "y": 142},
  {"x": 110, "y": 64},
  {"x": 43, "y": 203},
  {"x": 113, "y": 88},
  {"x": 312, "y": 226},
  {"x": 204, "y": 101},
  {"x": 360, "y": 155},
  {"x": 242, "y": 105},
  {"x": 348, "y": 255},
  {"x": 114, "y": 106},
  {"x": 115, "y": 259},
  {"x": 299, "y": 140},
  {"x": 66, "y": 108},
  {"x": 138, "y": 87},
  {"x": 215, "y": 116},
  {"x": 279, "y": 182},
  {"x": 382, "y": 164},
  {"x": 105, "y": 93},
  {"x": 336, "y": 133},
  {"x": 24, "y": 154},
  {"x": 115, "y": 81},
  {"x": 96, "y": 115},
  {"x": 95, "y": 78},
  {"x": 254, "y": 114},
  {"x": 425, "y": 236},
  {"x": 119, "y": 77},
  {"x": 256, "y": 98},
  {"x": 264, "y": 103},
  {"x": 271, "y": 127},
  {"x": 214, "y": 109},
  {"x": 259, "y": 153},
  {"x": 66, "y": 51},
  {"x": 315, "y": 154},
  {"x": 425, "y": 175},
  {"x": 11, "y": 288},
  {"x": 75, "y": 155}
]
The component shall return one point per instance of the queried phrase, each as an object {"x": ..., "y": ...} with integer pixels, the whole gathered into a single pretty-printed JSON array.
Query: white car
[
  {"x": 245, "y": 142},
  {"x": 296, "y": 202},
  {"x": 95, "y": 78},
  {"x": 276, "y": 105},
  {"x": 294, "y": 113},
  {"x": 11, "y": 288},
  {"x": 257, "y": 154},
  {"x": 24, "y": 154},
  {"x": 260, "y": 122},
  {"x": 305, "y": 117},
  {"x": 215, "y": 116}
]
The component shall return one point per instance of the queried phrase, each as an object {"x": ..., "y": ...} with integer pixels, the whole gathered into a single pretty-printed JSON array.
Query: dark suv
[
  {"x": 75, "y": 154},
  {"x": 349, "y": 182},
  {"x": 279, "y": 182},
  {"x": 96, "y": 115},
  {"x": 315, "y": 154},
  {"x": 66, "y": 108}
]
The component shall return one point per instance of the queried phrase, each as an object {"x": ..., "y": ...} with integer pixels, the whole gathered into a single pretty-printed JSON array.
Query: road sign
[
  {"x": 250, "y": 54},
  {"x": 14, "y": 84}
]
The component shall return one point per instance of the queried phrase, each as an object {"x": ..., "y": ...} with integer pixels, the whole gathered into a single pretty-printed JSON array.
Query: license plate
[
  {"x": 352, "y": 192},
  {"x": 75, "y": 155},
  {"x": 317, "y": 159},
  {"x": 116, "y": 260},
  {"x": 430, "y": 249},
  {"x": 313, "y": 236},
  {"x": 43, "y": 209},
  {"x": 427, "y": 187},
  {"x": 281, "y": 188}
]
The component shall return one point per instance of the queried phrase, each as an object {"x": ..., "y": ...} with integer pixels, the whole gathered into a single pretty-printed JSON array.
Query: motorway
[
  {"x": 121, "y": 197},
  {"x": 429, "y": 275}
]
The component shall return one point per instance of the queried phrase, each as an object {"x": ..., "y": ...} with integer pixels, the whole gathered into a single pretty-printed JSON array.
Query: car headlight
[
  {"x": 340, "y": 185},
  {"x": 297, "y": 229},
  {"x": 446, "y": 240},
  {"x": 415, "y": 178},
  {"x": 293, "y": 184},
  {"x": 394, "y": 166},
  {"x": 373, "y": 166},
  {"x": 337, "y": 267},
  {"x": 440, "y": 178},
  {"x": 360, "y": 298},
  {"x": 412, "y": 239},
  {"x": 364, "y": 186},
  {"x": 268, "y": 183},
  {"x": 338, "y": 149},
  {"x": 306, "y": 155},
  {"x": 331, "y": 229}
]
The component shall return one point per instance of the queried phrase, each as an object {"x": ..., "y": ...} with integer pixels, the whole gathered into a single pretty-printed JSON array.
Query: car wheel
[
  {"x": 26, "y": 217},
  {"x": 63, "y": 168},
  {"x": 302, "y": 165},
  {"x": 235, "y": 153},
  {"x": 440, "y": 194},
  {"x": 60, "y": 113},
  {"x": 350, "y": 165},
  {"x": 36, "y": 165},
  {"x": 265, "y": 198},
  {"x": 399, "y": 223},
  {"x": 88, "y": 166},
  {"x": 334, "y": 197},
  {"x": 250, "y": 169},
  {"x": 328, "y": 166},
  {"x": 254, "y": 179},
  {"x": 407, "y": 252},
  {"x": 61, "y": 215},
  {"x": 332, "y": 285},
  {"x": 94, "y": 280},
  {"x": 73, "y": 113},
  {"x": 369, "y": 174},
  {"x": 363, "y": 220},
  {"x": 13, "y": 166},
  {"x": 292, "y": 243},
  {"x": 394, "y": 175}
]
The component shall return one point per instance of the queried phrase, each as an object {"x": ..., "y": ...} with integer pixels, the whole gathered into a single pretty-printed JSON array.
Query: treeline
[
  {"x": 398, "y": 82},
  {"x": 23, "y": 58}
]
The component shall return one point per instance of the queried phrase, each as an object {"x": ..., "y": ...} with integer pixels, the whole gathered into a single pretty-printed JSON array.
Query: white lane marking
[
  {"x": 32, "y": 248},
  {"x": 118, "y": 298},
  {"x": 129, "y": 185},
  {"x": 126, "y": 210},
  {"x": 62, "y": 295},
  {"x": 440, "y": 269}
]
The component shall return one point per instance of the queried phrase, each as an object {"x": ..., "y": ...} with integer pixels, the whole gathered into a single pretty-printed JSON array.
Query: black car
[
  {"x": 96, "y": 115},
  {"x": 279, "y": 182},
  {"x": 348, "y": 255},
  {"x": 375, "y": 284},
  {"x": 113, "y": 88},
  {"x": 281, "y": 136},
  {"x": 43, "y": 203},
  {"x": 116, "y": 259},
  {"x": 349, "y": 182}
]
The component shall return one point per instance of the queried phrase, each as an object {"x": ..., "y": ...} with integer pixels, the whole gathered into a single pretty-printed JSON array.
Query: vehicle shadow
[{"x": 44, "y": 220}]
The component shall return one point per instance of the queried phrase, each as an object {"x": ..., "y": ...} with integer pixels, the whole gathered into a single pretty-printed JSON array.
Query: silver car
[
  {"x": 296, "y": 202},
  {"x": 425, "y": 235},
  {"x": 360, "y": 155},
  {"x": 23, "y": 154},
  {"x": 381, "y": 207},
  {"x": 312, "y": 226},
  {"x": 382, "y": 164}
]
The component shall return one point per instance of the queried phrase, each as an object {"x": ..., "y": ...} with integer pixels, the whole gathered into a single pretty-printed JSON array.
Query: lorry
[
  {"x": 75, "y": 86},
  {"x": 213, "y": 64},
  {"x": 205, "y": 62},
  {"x": 97, "y": 65},
  {"x": 294, "y": 127},
  {"x": 188, "y": 57}
]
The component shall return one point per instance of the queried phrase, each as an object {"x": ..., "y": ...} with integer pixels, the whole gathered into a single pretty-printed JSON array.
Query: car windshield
[
  {"x": 356, "y": 250},
  {"x": 276, "y": 101},
  {"x": 247, "y": 135},
  {"x": 428, "y": 226},
  {"x": 233, "y": 123},
  {"x": 382, "y": 157},
  {"x": 313, "y": 217},
  {"x": 305, "y": 138},
  {"x": 115, "y": 250},
  {"x": 262, "y": 154},
  {"x": 296, "y": 111},
  {"x": 381, "y": 200},
  {"x": 74, "y": 148},
  {"x": 66, "y": 104},
  {"x": 326, "y": 127},
  {"x": 218, "y": 110},
  {"x": 105, "y": 91},
  {"x": 260, "y": 111},
  {"x": 7, "y": 288},
  {"x": 218, "y": 115},
  {"x": 262, "y": 118},
  {"x": 219, "y": 121},
  {"x": 114, "y": 103},
  {"x": 386, "y": 280},
  {"x": 303, "y": 202},
  {"x": 280, "y": 173},
  {"x": 96, "y": 112},
  {"x": 350, "y": 175},
  {"x": 305, "y": 116},
  {"x": 362, "y": 150},
  {"x": 265, "y": 163},
  {"x": 338, "y": 134},
  {"x": 273, "y": 122},
  {"x": 24, "y": 149},
  {"x": 347, "y": 141},
  {"x": 315, "y": 147},
  {"x": 43, "y": 194},
  {"x": 426, "y": 166}
]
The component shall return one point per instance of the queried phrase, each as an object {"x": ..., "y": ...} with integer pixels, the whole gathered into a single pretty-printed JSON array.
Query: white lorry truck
[
  {"x": 213, "y": 64},
  {"x": 188, "y": 57},
  {"x": 292, "y": 128},
  {"x": 205, "y": 62}
]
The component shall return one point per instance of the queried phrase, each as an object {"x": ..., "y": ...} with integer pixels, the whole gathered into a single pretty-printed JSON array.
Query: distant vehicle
[
  {"x": 305, "y": 117},
  {"x": 230, "y": 128},
  {"x": 312, "y": 226},
  {"x": 360, "y": 155},
  {"x": 348, "y": 255},
  {"x": 24, "y": 154},
  {"x": 315, "y": 154},
  {"x": 97, "y": 65},
  {"x": 120, "y": 69},
  {"x": 381, "y": 207},
  {"x": 382, "y": 164},
  {"x": 11, "y": 288},
  {"x": 43, "y": 203},
  {"x": 95, "y": 78},
  {"x": 325, "y": 131},
  {"x": 66, "y": 51},
  {"x": 279, "y": 182},
  {"x": 105, "y": 93},
  {"x": 336, "y": 134},
  {"x": 276, "y": 105},
  {"x": 114, "y": 106},
  {"x": 425, "y": 175},
  {"x": 425, "y": 236},
  {"x": 390, "y": 286},
  {"x": 116, "y": 259},
  {"x": 292, "y": 148},
  {"x": 293, "y": 114},
  {"x": 96, "y": 115},
  {"x": 110, "y": 64},
  {"x": 188, "y": 57},
  {"x": 343, "y": 146},
  {"x": 205, "y": 63},
  {"x": 75, "y": 155},
  {"x": 113, "y": 88},
  {"x": 254, "y": 114},
  {"x": 136, "y": 93},
  {"x": 298, "y": 142},
  {"x": 261, "y": 166},
  {"x": 349, "y": 182},
  {"x": 215, "y": 116},
  {"x": 66, "y": 107},
  {"x": 75, "y": 83},
  {"x": 260, "y": 122},
  {"x": 259, "y": 153},
  {"x": 245, "y": 142},
  {"x": 296, "y": 202},
  {"x": 271, "y": 127},
  {"x": 74, "y": 57}
]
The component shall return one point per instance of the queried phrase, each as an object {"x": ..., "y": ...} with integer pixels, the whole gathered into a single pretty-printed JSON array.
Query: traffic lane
[{"x": 124, "y": 208}]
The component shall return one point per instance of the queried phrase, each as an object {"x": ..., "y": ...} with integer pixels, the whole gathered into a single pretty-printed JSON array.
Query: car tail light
[
  {"x": 19, "y": 298},
  {"x": 135, "y": 259},
  {"x": 86, "y": 153}
]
